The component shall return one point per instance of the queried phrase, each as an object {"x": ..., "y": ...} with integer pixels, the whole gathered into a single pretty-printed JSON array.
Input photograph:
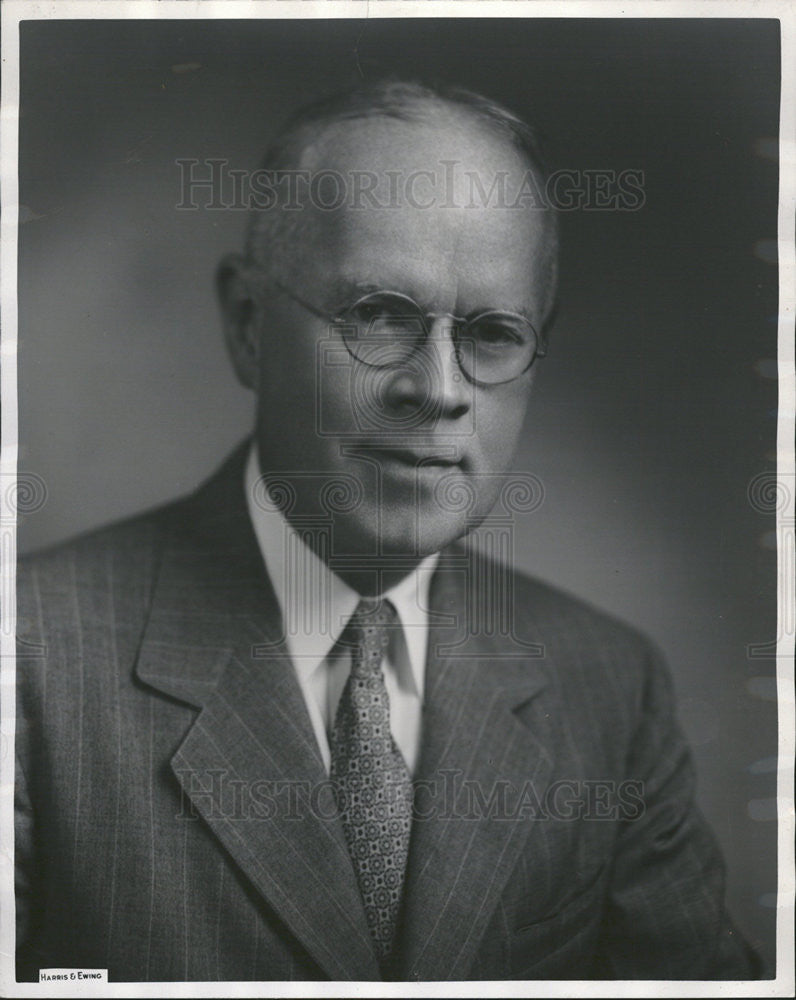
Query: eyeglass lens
[{"x": 384, "y": 330}]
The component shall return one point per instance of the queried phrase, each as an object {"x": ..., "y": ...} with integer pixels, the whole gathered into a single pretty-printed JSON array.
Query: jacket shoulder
[
  {"x": 590, "y": 652},
  {"x": 554, "y": 609},
  {"x": 103, "y": 580},
  {"x": 105, "y": 574},
  {"x": 129, "y": 540}
]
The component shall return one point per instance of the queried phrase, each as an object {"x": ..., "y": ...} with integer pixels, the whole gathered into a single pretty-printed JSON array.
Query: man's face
[{"x": 421, "y": 448}]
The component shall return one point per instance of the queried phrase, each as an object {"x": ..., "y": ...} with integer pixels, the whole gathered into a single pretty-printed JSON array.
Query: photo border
[{"x": 14, "y": 11}]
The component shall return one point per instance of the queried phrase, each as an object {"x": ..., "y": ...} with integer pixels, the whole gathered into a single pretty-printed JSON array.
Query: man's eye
[
  {"x": 369, "y": 312},
  {"x": 493, "y": 333},
  {"x": 383, "y": 317}
]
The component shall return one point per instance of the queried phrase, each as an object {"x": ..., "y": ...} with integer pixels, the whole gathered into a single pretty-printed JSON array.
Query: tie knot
[
  {"x": 378, "y": 612},
  {"x": 370, "y": 627}
]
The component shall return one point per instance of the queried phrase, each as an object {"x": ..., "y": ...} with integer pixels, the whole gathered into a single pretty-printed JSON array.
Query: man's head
[{"x": 431, "y": 195}]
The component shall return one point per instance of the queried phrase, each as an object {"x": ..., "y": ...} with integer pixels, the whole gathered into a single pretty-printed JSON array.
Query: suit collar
[{"x": 210, "y": 581}]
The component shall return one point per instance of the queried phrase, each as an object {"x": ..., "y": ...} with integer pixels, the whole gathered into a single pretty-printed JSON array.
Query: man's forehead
[
  {"x": 429, "y": 203},
  {"x": 454, "y": 147}
]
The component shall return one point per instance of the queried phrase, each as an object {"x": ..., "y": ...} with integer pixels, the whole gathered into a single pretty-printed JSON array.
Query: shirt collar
[{"x": 316, "y": 604}]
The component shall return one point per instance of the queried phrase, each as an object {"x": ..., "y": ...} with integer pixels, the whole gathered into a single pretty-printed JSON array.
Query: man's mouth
[
  {"x": 418, "y": 455},
  {"x": 416, "y": 459},
  {"x": 419, "y": 461}
]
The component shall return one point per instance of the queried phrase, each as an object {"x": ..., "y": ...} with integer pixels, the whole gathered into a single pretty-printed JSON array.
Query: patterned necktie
[{"x": 375, "y": 789}]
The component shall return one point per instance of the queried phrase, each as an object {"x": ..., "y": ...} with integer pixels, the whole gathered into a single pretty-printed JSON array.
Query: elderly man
[{"x": 285, "y": 728}]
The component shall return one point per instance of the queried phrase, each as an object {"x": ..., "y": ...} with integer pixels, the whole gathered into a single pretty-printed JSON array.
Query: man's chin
[{"x": 399, "y": 534}]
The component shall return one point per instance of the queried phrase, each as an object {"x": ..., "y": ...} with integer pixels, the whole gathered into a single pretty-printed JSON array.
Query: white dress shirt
[{"x": 317, "y": 605}]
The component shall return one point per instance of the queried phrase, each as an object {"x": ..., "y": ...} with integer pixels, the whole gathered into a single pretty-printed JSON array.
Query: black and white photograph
[{"x": 397, "y": 499}]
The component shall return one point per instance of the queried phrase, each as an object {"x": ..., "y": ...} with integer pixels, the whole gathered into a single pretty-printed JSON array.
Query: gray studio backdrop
[{"x": 654, "y": 414}]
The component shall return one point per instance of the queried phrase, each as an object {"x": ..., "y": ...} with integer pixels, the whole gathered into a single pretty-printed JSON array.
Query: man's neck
[{"x": 367, "y": 573}]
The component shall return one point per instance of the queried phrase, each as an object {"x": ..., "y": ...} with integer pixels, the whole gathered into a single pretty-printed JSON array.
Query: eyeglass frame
[{"x": 457, "y": 322}]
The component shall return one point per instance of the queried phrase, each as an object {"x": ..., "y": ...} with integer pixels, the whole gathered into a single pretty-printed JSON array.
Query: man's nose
[{"x": 430, "y": 384}]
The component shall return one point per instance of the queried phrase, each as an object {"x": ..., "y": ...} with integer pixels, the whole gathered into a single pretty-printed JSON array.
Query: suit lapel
[
  {"x": 477, "y": 757},
  {"x": 250, "y": 766},
  {"x": 249, "y": 763}
]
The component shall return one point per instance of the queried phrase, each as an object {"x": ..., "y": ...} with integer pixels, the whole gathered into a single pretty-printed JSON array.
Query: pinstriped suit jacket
[{"x": 173, "y": 816}]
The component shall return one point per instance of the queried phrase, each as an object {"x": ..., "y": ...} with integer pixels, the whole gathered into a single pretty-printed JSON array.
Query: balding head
[{"x": 323, "y": 162}]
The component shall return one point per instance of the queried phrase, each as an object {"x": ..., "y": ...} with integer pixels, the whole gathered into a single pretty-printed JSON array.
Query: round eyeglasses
[{"x": 384, "y": 330}]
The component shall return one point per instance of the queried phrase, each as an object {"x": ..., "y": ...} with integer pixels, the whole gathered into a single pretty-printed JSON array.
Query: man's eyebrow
[
  {"x": 499, "y": 307},
  {"x": 345, "y": 291}
]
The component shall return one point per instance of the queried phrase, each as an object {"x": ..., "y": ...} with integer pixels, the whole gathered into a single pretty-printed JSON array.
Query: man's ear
[{"x": 238, "y": 314}]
